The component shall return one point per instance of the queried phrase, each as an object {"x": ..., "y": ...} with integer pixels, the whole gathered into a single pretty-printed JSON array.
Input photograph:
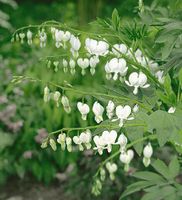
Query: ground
[{"x": 28, "y": 189}]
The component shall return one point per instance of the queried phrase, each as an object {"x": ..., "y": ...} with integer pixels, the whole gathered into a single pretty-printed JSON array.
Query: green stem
[{"x": 150, "y": 137}]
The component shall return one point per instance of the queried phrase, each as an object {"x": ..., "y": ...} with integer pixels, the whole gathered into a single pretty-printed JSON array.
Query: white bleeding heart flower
[
  {"x": 111, "y": 167},
  {"x": 122, "y": 141},
  {"x": 85, "y": 138},
  {"x": 98, "y": 48},
  {"x": 171, "y": 110},
  {"x": 117, "y": 66},
  {"x": 58, "y": 37},
  {"x": 148, "y": 151},
  {"x": 126, "y": 157},
  {"x": 56, "y": 97},
  {"x": 29, "y": 37},
  {"x": 46, "y": 94},
  {"x": 61, "y": 140},
  {"x": 98, "y": 110},
  {"x": 138, "y": 53},
  {"x": 123, "y": 113},
  {"x": 22, "y": 36},
  {"x": 69, "y": 144},
  {"x": 119, "y": 49},
  {"x": 65, "y": 65},
  {"x": 136, "y": 108},
  {"x": 160, "y": 76},
  {"x": 75, "y": 45},
  {"x": 66, "y": 36},
  {"x": 110, "y": 109},
  {"x": 108, "y": 71},
  {"x": 84, "y": 109},
  {"x": 72, "y": 66},
  {"x": 109, "y": 139},
  {"x": 137, "y": 80},
  {"x": 99, "y": 142},
  {"x": 43, "y": 38},
  {"x": 83, "y": 63},
  {"x": 94, "y": 60},
  {"x": 66, "y": 104}
]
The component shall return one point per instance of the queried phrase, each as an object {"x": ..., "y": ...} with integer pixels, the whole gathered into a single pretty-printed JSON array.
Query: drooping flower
[
  {"x": 126, "y": 157},
  {"x": 99, "y": 142},
  {"x": 122, "y": 141},
  {"x": 171, "y": 110},
  {"x": 119, "y": 49},
  {"x": 147, "y": 153},
  {"x": 66, "y": 104},
  {"x": 117, "y": 66},
  {"x": 136, "y": 108},
  {"x": 29, "y": 37},
  {"x": 43, "y": 38},
  {"x": 84, "y": 109},
  {"x": 62, "y": 140},
  {"x": 72, "y": 66},
  {"x": 112, "y": 168},
  {"x": 46, "y": 94},
  {"x": 98, "y": 48},
  {"x": 98, "y": 110},
  {"x": 53, "y": 144},
  {"x": 94, "y": 60},
  {"x": 75, "y": 45},
  {"x": 61, "y": 37},
  {"x": 160, "y": 76},
  {"x": 69, "y": 144},
  {"x": 83, "y": 63},
  {"x": 123, "y": 114},
  {"x": 56, "y": 97},
  {"x": 110, "y": 109},
  {"x": 65, "y": 65},
  {"x": 83, "y": 139},
  {"x": 109, "y": 139},
  {"x": 137, "y": 80},
  {"x": 22, "y": 36}
]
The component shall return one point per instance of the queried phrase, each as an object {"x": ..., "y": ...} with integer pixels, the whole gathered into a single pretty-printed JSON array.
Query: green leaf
[
  {"x": 174, "y": 167},
  {"x": 161, "y": 168},
  {"x": 115, "y": 19},
  {"x": 136, "y": 132},
  {"x": 149, "y": 176},
  {"x": 165, "y": 128},
  {"x": 135, "y": 187}
]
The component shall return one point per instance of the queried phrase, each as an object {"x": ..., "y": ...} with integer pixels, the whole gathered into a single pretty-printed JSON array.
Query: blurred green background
[{"x": 24, "y": 119}]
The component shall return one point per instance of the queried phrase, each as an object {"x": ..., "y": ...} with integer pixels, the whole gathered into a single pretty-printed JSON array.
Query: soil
[{"x": 28, "y": 189}]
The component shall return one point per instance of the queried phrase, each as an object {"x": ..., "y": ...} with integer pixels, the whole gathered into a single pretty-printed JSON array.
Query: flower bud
[
  {"x": 29, "y": 37},
  {"x": 98, "y": 110},
  {"x": 69, "y": 144},
  {"x": 56, "y": 97},
  {"x": 148, "y": 151},
  {"x": 46, "y": 94},
  {"x": 61, "y": 140},
  {"x": 53, "y": 144},
  {"x": 66, "y": 105},
  {"x": 146, "y": 161}
]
